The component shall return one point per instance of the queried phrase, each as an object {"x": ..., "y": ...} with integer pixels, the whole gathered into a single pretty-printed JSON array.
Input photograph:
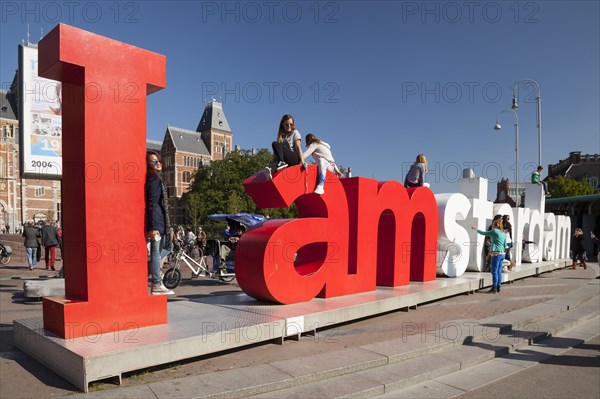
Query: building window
[
  {"x": 593, "y": 182},
  {"x": 187, "y": 176},
  {"x": 40, "y": 191}
]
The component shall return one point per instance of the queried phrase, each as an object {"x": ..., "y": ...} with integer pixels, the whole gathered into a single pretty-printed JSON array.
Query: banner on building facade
[{"x": 40, "y": 121}]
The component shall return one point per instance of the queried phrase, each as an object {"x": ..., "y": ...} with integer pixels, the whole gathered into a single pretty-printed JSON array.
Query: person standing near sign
[
  {"x": 497, "y": 252},
  {"x": 157, "y": 220},
  {"x": 50, "y": 240}
]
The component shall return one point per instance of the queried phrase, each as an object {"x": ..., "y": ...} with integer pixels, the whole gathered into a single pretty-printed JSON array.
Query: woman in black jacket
[
  {"x": 577, "y": 249},
  {"x": 157, "y": 220}
]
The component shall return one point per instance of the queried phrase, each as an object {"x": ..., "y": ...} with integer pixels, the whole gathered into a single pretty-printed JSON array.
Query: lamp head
[
  {"x": 497, "y": 126},
  {"x": 515, "y": 105}
]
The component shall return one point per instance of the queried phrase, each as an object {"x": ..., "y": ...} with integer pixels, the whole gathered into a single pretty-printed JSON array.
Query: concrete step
[
  {"x": 395, "y": 366},
  {"x": 393, "y": 377},
  {"x": 421, "y": 358},
  {"x": 456, "y": 384}
]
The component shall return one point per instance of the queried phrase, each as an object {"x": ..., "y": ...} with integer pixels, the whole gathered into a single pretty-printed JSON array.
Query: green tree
[
  {"x": 194, "y": 210},
  {"x": 217, "y": 188},
  {"x": 561, "y": 186}
]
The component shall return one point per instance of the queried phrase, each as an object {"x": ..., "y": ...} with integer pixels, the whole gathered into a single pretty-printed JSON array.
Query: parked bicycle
[
  {"x": 200, "y": 268},
  {"x": 5, "y": 253}
]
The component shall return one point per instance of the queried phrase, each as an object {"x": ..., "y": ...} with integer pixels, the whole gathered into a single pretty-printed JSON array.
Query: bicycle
[
  {"x": 172, "y": 277},
  {"x": 5, "y": 253}
]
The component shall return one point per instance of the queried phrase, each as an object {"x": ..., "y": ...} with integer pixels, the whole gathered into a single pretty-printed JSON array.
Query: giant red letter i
[{"x": 104, "y": 83}]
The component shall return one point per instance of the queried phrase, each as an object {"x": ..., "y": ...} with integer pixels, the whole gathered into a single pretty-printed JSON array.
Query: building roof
[
  {"x": 213, "y": 118},
  {"x": 583, "y": 171},
  {"x": 8, "y": 109},
  {"x": 595, "y": 198},
  {"x": 154, "y": 145},
  {"x": 187, "y": 141}
]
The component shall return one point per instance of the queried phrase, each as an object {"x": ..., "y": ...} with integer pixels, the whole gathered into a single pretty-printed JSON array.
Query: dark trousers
[
  {"x": 408, "y": 184},
  {"x": 283, "y": 153}
]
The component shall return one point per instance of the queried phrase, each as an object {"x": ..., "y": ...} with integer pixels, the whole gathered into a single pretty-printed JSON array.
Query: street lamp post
[
  {"x": 515, "y": 105},
  {"x": 497, "y": 126}
]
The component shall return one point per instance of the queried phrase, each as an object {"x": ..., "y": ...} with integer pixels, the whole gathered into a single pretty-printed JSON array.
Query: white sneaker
[
  {"x": 281, "y": 165},
  {"x": 319, "y": 190},
  {"x": 160, "y": 289},
  {"x": 267, "y": 172}
]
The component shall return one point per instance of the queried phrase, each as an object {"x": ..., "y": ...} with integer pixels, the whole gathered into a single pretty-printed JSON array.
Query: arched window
[{"x": 187, "y": 176}]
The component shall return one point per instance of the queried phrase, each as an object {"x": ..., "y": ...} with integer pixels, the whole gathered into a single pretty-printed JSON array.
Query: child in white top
[{"x": 321, "y": 152}]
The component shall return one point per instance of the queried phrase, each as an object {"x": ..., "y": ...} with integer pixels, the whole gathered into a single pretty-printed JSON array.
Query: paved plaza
[{"x": 351, "y": 346}]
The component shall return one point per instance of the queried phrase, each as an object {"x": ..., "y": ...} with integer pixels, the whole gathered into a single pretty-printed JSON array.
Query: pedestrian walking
[
  {"x": 50, "y": 241},
  {"x": 578, "y": 250},
  {"x": 32, "y": 237}
]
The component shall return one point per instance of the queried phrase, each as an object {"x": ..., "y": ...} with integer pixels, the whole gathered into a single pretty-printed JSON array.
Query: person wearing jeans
[
  {"x": 321, "y": 152},
  {"x": 31, "y": 235},
  {"x": 157, "y": 220},
  {"x": 497, "y": 252}
]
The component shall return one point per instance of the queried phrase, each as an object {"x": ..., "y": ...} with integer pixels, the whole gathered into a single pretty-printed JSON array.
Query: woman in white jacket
[{"x": 321, "y": 153}]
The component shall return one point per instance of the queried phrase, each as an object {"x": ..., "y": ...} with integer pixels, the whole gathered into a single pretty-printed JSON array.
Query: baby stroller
[{"x": 224, "y": 251}]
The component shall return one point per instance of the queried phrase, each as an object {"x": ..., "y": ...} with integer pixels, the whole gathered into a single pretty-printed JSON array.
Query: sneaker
[
  {"x": 281, "y": 165},
  {"x": 548, "y": 195},
  {"x": 267, "y": 172},
  {"x": 319, "y": 190},
  {"x": 160, "y": 289}
]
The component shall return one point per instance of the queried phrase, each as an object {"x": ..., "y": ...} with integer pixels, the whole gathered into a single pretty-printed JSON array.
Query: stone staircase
[
  {"x": 459, "y": 356},
  {"x": 386, "y": 367}
]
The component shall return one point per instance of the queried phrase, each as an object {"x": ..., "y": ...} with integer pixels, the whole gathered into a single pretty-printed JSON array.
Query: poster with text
[{"x": 40, "y": 124}]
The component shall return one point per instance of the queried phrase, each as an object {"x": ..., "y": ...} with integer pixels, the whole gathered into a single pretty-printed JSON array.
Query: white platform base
[{"x": 210, "y": 325}]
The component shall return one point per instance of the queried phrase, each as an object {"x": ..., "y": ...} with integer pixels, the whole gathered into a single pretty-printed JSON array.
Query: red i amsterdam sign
[{"x": 361, "y": 233}]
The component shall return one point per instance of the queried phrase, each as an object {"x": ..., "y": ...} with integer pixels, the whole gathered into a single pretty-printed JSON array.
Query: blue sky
[{"x": 381, "y": 81}]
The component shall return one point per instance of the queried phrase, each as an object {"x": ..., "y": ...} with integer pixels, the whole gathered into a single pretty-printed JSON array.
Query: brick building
[
  {"x": 183, "y": 151},
  {"x": 584, "y": 168}
]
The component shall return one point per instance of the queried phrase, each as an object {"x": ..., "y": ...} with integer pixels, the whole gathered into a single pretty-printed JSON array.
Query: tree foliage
[
  {"x": 217, "y": 187},
  {"x": 561, "y": 186}
]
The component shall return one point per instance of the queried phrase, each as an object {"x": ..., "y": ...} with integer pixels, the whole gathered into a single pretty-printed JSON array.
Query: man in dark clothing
[
  {"x": 31, "y": 235},
  {"x": 50, "y": 241}
]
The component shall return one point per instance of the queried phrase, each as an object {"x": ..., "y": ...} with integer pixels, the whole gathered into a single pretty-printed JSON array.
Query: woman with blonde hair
[
  {"x": 321, "y": 152},
  {"x": 416, "y": 174}
]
